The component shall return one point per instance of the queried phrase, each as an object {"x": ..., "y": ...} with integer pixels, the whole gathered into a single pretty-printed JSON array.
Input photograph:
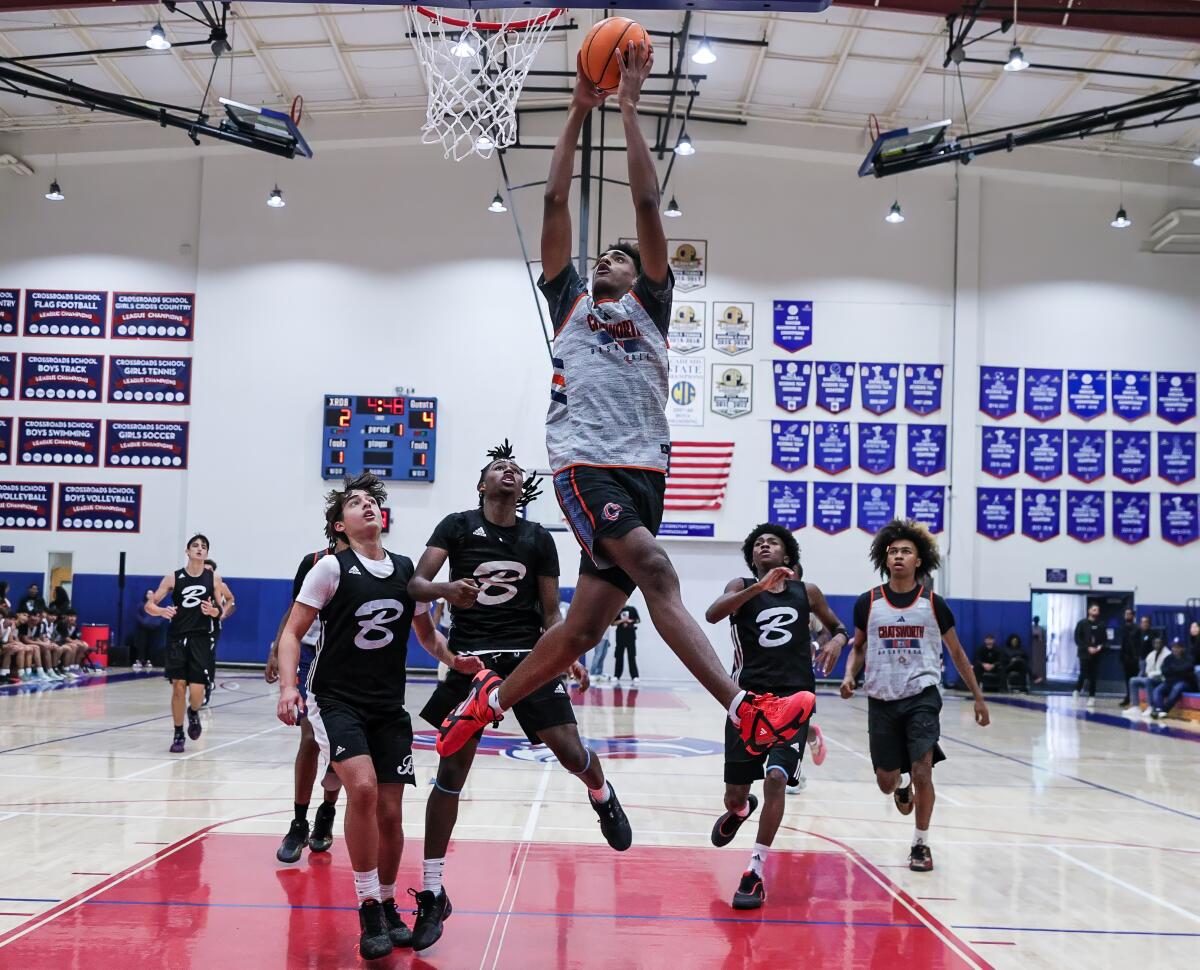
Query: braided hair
[{"x": 532, "y": 486}]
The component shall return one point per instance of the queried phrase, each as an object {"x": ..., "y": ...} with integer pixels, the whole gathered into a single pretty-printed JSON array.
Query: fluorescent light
[
  {"x": 894, "y": 215},
  {"x": 497, "y": 204},
  {"x": 704, "y": 53},
  {"x": 157, "y": 41},
  {"x": 1121, "y": 220},
  {"x": 275, "y": 199},
  {"x": 1016, "y": 60},
  {"x": 672, "y": 211},
  {"x": 685, "y": 146},
  {"x": 56, "y": 193}
]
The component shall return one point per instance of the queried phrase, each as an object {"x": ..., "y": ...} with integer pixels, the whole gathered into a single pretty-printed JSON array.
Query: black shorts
[
  {"x": 607, "y": 503},
  {"x": 190, "y": 658},
  {"x": 744, "y": 768},
  {"x": 343, "y": 731},
  {"x": 902, "y": 731},
  {"x": 547, "y": 707}
]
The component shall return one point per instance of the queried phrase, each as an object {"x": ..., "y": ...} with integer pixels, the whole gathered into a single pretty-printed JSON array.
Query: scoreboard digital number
[{"x": 394, "y": 437}]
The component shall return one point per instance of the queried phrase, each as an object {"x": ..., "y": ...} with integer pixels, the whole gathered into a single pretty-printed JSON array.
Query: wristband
[{"x": 842, "y": 631}]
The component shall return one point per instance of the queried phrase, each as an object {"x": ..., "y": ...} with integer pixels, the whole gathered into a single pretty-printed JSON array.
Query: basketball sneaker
[
  {"x": 613, "y": 821},
  {"x": 322, "y": 830},
  {"x": 194, "y": 728},
  {"x": 903, "y": 799},
  {"x": 765, "y": 720},
  {"x": 750, "y": 891},
  {"x": 432, "y": 910},
  {"x": 374, "y": 941},
  {"x": 728, "y": 824},
  {"x": 920, "y": 859},
  {"x": 471, "y": 716},
  {"x": 816, "y": 744},
  {"x": 398, "y": 933},
  {"x": 293, "y": 843},
  {"x": 177, "y": 743}
]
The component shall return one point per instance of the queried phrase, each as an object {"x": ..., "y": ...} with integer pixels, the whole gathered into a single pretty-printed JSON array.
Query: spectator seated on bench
[
  {"x": 990, "y": 665},
  {"x": 1179, "y": 677}
]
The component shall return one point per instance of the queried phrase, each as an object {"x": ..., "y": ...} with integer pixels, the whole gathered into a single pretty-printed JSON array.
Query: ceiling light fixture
[
  {"x": 157, "y": 41},
  {"x": 56, "y": 193},
  {"x": 894, "y": 216},
  {"x": 685, "y": 146},
  {"x": 275, "y": 199},
  {"x": 497, "y": 204},
  {"x": 1016, "y": 60},
  {"x": 1121, "y": 220},
  {"x": 672, "y": 211},
  {"x": 704, "y": 53}
]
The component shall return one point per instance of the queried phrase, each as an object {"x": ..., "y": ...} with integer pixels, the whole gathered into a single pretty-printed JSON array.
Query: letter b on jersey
[
  {"x": 773, "y": 626},
  {"x": 498, "y": 581},
  {"x": 373, "y": 632},
  {"x": 192, "y": 597}
]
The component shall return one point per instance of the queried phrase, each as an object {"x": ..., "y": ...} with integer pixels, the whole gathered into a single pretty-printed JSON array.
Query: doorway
[{"x": 1060, "y": 612}]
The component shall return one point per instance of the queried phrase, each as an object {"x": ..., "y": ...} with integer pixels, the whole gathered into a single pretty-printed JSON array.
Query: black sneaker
[
  {"x": 613, "y": 821},
  {"x": 293, "y": 843},
  {"x": 194, "y": 728},
  {"x": 920, "y": 858},
  {"x": 432, "y": 910},
  {"x": 398, "y": 933},
  {"x": 374, "y": 941},
  {"x": 322, "y": 830},
  {"x": 904, "y": 800},
  {"x": 728, "y": 824},
  {"x": 750, "y": 891}
]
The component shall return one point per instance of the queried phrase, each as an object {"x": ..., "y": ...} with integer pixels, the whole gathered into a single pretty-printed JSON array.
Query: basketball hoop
[{"x": 475, "y": 70}]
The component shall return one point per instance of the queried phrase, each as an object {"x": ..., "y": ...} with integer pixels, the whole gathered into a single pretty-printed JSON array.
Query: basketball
[{"x": 598, "y": 55}]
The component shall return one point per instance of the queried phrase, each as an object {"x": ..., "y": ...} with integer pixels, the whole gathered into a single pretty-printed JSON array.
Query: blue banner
[
  {"x": 1043, "y": 453},
  {"x": 789, "y": 444},
  {"x": 1131, "y": 516},
  {"x": 150, "y": 380},
  {"x": 700, "y": 530},
  {"x": 877, "y": 384},
  {"x": 58, "y": 441},
  {"x": 1001, "y": 454},
  {"x": 1086, "y": 455},
  {"x": 927, "y": 448},
  {"x": 154, "y": 316},
  {"x": 26, "y": 505},
  {"x": 1085, "y": 515},
  {"x": 1177, "y": 456},
  {"x": 1131, "y": 455},
  {"x": 1176, "y": 396},
  {"x": 146, "y": 444},
  {"x": 831, "y": 446},
  {"x": 66, "y": 313},
  {"x": 831, "y": 506},
  {"x": 998, "y": 391},
  {"x": 876, "y": 506},
  {"x": 6, "y": 440},
  {"x": 1180, "y": 515},
  {"x": 99, "y": 508},
  {"x": 1087, "y": 393},
  {"x": 995, "y": 512},
  {"x": 923, "y": 388},
  {"x": 835, "y": 385},
  {"x": 8, "y": 376},
  {"x": 62, "y": 377},
  {"x": 876, "y": 447},
  {"x": 793, "y": 324},
  {"x": 10, "y": 307},
  {"x": 787, "y": 504},
  {"x": 792, "y": 379},
  {"x": 1131, "y": 394},
  {"x": 927, "y": 504},
  {"x": 1043, "y": 392},
  {"x": 1040, "y": 513}
]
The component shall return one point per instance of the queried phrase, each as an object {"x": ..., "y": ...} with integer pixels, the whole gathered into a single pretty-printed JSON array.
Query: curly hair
[
  {"x": 915, "y": 532},
  {"x": 532, "y": 486},
  {"x": 791, "y": 548},
  {"x": 335, "y": 501},
  {"x": 630, "y": 249}
]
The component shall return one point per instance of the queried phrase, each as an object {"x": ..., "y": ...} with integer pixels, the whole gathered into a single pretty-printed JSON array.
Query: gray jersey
[
  {"x": 904, "y": 647},
  {"x": 609, "y": 391}
]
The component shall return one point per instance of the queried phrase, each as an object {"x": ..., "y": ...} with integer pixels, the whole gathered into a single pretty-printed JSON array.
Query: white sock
[
  {"x": 432, "y": 879},
  {"x": 758, "y": 858},
  {"x": 904, "y": 780},
  {"x": 920, "y": 836},
  {"x": 733, "y": 706},
  {"x": 366, "y": 885},
  {"x": 494, "y": 700},
  {"x": 600, "y": 795},
  {"x": 387, "y": 891}
]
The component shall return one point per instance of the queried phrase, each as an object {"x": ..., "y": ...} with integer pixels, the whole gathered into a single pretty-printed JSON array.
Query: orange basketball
[{"x": 598, "y": 55}]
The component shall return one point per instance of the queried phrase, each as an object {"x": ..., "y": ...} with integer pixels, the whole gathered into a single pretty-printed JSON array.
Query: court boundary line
[{"x": 1128, "y": 886}]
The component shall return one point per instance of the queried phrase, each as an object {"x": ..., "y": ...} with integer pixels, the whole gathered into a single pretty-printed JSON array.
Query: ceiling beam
[
  {"x": 200, "y": 83},
  {"x": 993, "y": 85},
  {"x": 114, "y": 73},
  {"x": 757, "y": 61},
  {"x": 934, "y": 51},
  {"x": 353, "y": 81},
  {"x": 849, "y": 36},
  {"x": 249, "y": 36}
]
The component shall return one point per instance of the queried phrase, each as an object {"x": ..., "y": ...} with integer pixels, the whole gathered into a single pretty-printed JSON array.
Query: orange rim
[{"x": 491, "y": 24}]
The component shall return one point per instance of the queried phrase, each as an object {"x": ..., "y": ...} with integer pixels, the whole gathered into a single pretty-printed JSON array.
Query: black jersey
[
  {"x": 507, "y": 562},
  {"x": 189, "y": 592},
  {"x": 362, "y": 657},
  {"x": 772, "y": 644}
]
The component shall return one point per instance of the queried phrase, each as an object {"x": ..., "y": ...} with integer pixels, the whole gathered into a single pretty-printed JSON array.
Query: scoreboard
[{"x": 394, "y": 437}]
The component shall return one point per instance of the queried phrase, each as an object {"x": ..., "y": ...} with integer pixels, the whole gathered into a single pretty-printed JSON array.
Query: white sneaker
[
  {"x": 137, "y": 665},
  {"x": 1145, "y": 711},
  {"x": 634, "y": 682},
  {"x": 1074, "y": 695},
  {"x": 796, "y": 789},
  {"x": 1091, "y": 703}
]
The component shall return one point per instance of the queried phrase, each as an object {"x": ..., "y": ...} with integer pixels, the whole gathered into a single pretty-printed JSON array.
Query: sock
[
  {"x": 366, "y": 885},
  {"x": 301, "y": 812},
  {"x": 920, "y": 836},
  {"x": 178, "y": 730},
  {"x": 904, "y": 780},
  {"x": 387, "y": 891},
  {"x": 600, "y": 795},
  {"x": 432, "y": 879},
  {"x": 734, "y": 704},
  {"x": 745, "y": 810},
  {"x": 758, "y": 858},
  {"x": 494, "y": 700}
]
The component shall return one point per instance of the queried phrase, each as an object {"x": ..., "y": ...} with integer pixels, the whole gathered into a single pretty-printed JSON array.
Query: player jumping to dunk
[{"x": 609, "y": 443}]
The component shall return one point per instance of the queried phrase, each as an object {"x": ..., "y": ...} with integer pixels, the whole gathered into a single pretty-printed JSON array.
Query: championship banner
[
  {"x": 732, "y": 390},
  {"x": 793, "y": 324},
  {"x": 1131, "y": 456},
  {"x": 1131, "y": 516},
  {"x": 1085, "y": 516},
  {"x": 733, "y": 327},
  {"x": 8, "y": 376},
  {"x": 995, "y": 512},
  {"x": 876, "y": 447},
  {"x": 685, "y": 332},
  {"x": 927, "y": 448},
  {"x": 922, "y": 388},
  {"x": 1176, "y": 396},
  {"x": 835, "y": 385},
  {"x": 61, "y": 377},
  {"x": 26, "y": 505},
  {"x": 787, "y": 504},
  {"x": 10, "y": 302},
  {"x": 831, "y": 506},
  {"x": 65, "y": 313},
  {"x": 1043, "y": 454},
  {"x": 150, "y": 380},
  {"x": 876, "y": 506},
  {"x": 1086, "y": 455},
  {"x": 877, "y": 385},
  {"x": 6, "y": 440},
  {"x": 831, "y": 446},
  {"x": 685, "y": 402},
  {"x": 154, "y": 316},
  {"x": 789, "y": 444},
  {"x": 1177, "y": 456},
  {"x": 1180, "y": 518},
  {"x": 1001, "y": 455},
  {"x": 99, "y": 508},
  {"x": 58, "y": 441},
  {"x": 791, "y": 383},
  {"x": 1043, "y": 392},
  {"x": 998, "y": 391},
  {"x": 147, "y": 444},
  {"x": 927, "y": 504},
  {"x": 1131, "y": 394},
  {"x": 689, "y": 263},
  {"x": 1040, "y": 514},
  {"x": 1087, "y": 393}
]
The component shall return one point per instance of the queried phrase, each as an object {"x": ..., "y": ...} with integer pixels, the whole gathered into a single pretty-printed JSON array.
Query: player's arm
[
  {"x": 737, "y": 593},
  {"x": 271, "y": 672},
  {"x": 152, "y": 607},
  {"x": 224, "y": 596},
  {"x": 300, "y": 618},
  {"x": 831, "y": 651},
  {"x": 635, "y": 63},
  {"x": 963, "y": 666},
  {"x": 461, "y": 594},
  {"x": 854, "y": 663},
  {"x": 435, "y": 644}
]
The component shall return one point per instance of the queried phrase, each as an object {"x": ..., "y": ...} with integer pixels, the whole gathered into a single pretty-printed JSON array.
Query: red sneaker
[
  {"x": 472, "y": 715},
  {"x": 816, "y": 742},
  {"x": 765, "y": 720}
]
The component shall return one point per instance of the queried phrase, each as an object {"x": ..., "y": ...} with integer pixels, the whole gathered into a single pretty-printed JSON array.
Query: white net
[{"x": 475, "y": 74}]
